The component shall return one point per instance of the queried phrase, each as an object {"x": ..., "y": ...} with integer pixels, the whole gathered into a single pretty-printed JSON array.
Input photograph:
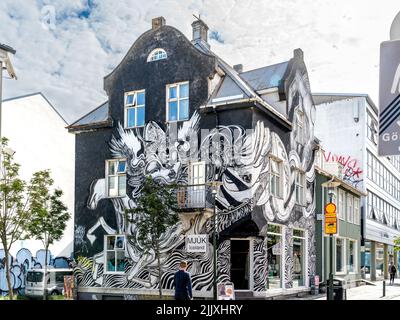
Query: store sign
[
  {"x": 389, "y": 99},
  {"x": 226, "y": 291},
  {"x": 196, "y": 243},
  {"x": 330, "y": 219}
]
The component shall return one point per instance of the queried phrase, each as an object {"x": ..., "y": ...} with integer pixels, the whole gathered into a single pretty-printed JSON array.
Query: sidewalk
[{"x": 373, "y": 292}]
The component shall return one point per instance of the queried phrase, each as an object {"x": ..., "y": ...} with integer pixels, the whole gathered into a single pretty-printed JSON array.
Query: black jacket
[{"x": 183, "y": 285}]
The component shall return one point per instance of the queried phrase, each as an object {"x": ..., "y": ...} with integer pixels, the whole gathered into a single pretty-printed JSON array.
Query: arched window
[{"x": 157, "y": 54}]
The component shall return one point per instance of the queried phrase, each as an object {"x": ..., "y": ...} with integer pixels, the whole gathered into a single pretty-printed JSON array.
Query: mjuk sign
[
  {"x": 389, "y": 98},
  {"x": 196, "y": 243}
]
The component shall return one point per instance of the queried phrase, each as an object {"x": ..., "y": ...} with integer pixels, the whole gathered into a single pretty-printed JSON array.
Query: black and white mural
[{"x": 237, "y": 156}]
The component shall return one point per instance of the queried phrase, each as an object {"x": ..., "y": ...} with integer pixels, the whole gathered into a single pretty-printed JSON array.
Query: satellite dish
[{"x": 395, "y": 28}]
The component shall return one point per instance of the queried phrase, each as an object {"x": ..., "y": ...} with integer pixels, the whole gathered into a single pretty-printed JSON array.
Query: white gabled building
[{"x": 36, "y": 132}]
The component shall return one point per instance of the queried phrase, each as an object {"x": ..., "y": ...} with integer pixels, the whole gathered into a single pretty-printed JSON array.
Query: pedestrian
[
  {"x": 183, "y": 283},
  {"x": 392, "y": 271}
]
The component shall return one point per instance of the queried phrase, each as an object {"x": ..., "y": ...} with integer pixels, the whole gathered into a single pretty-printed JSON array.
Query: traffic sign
[{"x": 330, "y": 219}]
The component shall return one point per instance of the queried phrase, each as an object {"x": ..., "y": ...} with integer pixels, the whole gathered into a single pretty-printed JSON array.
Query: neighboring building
[
  {"x": 37, "y": 135},
  {"x": 347, "y": 125},
  {"x": 347, "y": 242},
  {"x": 179, "y": 113}
]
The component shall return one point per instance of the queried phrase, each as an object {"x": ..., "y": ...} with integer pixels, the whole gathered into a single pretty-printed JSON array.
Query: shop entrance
[{"x": 240, "y": 264}]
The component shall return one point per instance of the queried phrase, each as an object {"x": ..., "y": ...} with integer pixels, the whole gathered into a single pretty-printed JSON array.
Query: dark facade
[{"x": 237, "y": 129}]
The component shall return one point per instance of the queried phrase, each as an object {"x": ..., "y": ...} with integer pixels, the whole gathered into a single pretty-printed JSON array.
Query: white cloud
[{"x": 340, "y": 40}]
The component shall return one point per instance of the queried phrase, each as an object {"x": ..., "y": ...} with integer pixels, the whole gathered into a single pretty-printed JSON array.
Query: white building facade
[
  {"x": 347, "y": 126},
  {"x": 37, "y": 135}
]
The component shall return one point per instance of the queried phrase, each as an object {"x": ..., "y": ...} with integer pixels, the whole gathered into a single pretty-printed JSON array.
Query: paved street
[{"x": 373, "y": 292}]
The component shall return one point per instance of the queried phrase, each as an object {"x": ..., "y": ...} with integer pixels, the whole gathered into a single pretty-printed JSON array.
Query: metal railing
[{"x": 191, "y": 196}]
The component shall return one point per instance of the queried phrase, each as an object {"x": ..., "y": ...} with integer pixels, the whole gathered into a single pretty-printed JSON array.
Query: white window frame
[
  {"x": 156, "y": 55},
  {"x": 281, "y": 235},
  {"x": 344, "y": 255},
  {"x": 134, "y": 106},
  {"x": 342, "y": 204},
  {"x": 356, "y": 206},
  {"x": 277, "y": 175},
  {"x": 355, "y": 248},
  {"x": 300, "y": 175},
  {"x": 115, "y": 250},
  {"x": 178, "y": 100},
  {"x": 194, "y": 174},
  {"x": 305, "y": 253},
  {"x": 350, "y": 208},
  {"x": 300, "y": 127},
  {"x": 116, "y": 174}
]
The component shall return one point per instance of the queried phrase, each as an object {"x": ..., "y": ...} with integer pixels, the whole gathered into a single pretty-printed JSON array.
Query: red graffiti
[{"x": 350, "y": 165}]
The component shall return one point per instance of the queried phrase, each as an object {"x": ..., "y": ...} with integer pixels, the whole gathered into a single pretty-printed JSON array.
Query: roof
[
  {"x": 234, "y": 88},
  {"x": 266, "y": 77},
  {"x": 35, "y": 94},
  {"x": 7, "y": 48},
  {"x": 321, "y": 98},
  {"x": 99, "y": 116}
]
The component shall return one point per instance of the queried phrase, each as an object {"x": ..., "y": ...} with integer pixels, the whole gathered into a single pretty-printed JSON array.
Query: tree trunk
[
  {"x": 8, "y": 274},
  {"x": 45, "y": 273},
  {"x": 159, "y": 269}
]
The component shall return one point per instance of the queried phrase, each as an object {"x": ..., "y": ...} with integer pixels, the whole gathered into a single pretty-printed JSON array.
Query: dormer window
[{"x": 157, "y": 54}]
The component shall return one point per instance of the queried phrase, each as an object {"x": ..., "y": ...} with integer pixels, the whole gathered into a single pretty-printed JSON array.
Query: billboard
[{"x": 389, "y": 99}]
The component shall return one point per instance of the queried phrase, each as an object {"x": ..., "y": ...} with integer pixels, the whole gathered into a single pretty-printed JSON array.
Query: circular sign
[
  {"x": 330, "y": 208},
  {"x": 395, "y": 28}
]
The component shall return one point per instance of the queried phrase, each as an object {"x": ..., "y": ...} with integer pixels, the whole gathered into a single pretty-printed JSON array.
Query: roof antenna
[{"x": 198, "y": 18}]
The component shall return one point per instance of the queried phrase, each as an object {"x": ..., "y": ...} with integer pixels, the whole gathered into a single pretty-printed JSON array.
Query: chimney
[
  {"x": 238, "y": 68},
  {"x": 200, "y": 32},
  {"x": 157, "y": 23}
]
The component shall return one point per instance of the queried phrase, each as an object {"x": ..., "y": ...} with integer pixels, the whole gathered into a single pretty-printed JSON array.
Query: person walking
[
  {"x": 183, "y": 283},
  {"x": 392, "y": 272}
]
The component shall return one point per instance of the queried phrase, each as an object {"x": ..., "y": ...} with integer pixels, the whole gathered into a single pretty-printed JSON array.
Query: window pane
[
  {"x": 274, "y": 249},
  {"x": 173, "y": 112},
  {"x": 110, "y": 261},
  {"x": 298, "y": 262},
  {"x": 122, "y": 185},
  {"x": 140, "y": 116},
  {"x": 112, "y": 190},
  {"x": 339, "y": 255},
  {"x": 172, "y": 92},
  {"x": 184, "y": 109},
  {"x": 111, "y": 167},
  {"x": 119, "y": 244},
  {"x": 120, "y": 261},
  {"x": 129, "y": 99},
  {"x": 274, "y": 228},
  {"x": 121, "y": 166},
  {"x": 184, "y": 90},
  {"x": 131, "y": 117},
  {"x": 298, "y": 233},
  {"x": 140, "y": 98},
  {"x": 110, "y": 243}
]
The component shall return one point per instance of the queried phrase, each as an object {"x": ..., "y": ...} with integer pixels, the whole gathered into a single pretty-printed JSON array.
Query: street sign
[
  {"x": 389, "y": 99},
  {"x": 330, "y": 219},
  {"x": 196, "y": 243}
]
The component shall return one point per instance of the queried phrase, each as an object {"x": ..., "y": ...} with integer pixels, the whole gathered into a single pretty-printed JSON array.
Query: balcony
[{"x": 192, "y": 197}]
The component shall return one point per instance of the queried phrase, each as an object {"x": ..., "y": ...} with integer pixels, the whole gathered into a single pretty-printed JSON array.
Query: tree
[
  {"x": 155, "y": 212},
  {"x": 48, "y": 214},
  {"x": 397, "y": 244},
  {"x": 14, "y": 213}
]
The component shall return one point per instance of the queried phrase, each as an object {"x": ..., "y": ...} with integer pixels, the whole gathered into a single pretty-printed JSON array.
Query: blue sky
[{"x": 65, "y": 48}]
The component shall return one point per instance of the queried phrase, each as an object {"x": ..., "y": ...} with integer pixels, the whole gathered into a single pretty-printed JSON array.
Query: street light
[{"x": 331, "y": 185}]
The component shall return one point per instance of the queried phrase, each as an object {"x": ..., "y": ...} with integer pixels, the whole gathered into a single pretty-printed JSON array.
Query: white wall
[
  {"x": 341, "y": 134},
  {"x": 38, "y": 136}
]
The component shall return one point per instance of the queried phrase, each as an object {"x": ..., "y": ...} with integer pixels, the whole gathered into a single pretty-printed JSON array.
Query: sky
[{"x": 65, "y": 48}]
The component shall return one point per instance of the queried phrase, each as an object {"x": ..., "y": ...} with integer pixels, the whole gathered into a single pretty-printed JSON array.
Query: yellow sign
[{"x": 330, "y": 219}]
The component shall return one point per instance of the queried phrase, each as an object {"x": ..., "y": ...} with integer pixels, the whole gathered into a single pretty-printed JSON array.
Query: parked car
[{"x": 55, "y": 281}]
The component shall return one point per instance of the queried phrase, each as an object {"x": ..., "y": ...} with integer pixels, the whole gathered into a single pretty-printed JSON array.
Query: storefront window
[
  {"x": 274, "y": 256},
  {"x": 366, "y": 260},
  {"x": 379, "y": 254},
  {"x": 298, "y": 258},
  {"x": 339, "y": 255}
]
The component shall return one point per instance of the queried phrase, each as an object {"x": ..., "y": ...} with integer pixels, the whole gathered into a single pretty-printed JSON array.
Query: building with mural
[
  {"x": 180, "y": 114},
  {"x": 39, "y": 147},
  {"x": 346, "y": 253},
  {"x": 347, "y": 125}
]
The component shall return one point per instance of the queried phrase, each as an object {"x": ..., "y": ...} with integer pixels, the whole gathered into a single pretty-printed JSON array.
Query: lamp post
[{"x": 331, "y": 185}]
